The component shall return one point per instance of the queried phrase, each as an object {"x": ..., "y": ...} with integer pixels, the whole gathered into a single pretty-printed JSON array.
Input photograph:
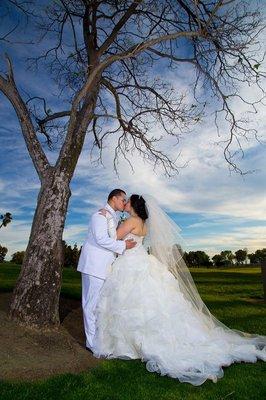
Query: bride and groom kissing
[{"x": 145, "y": 305}]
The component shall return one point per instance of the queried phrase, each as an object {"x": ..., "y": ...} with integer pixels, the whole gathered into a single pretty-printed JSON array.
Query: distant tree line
[
  {"x": 71, "y": 255},
  {"x": 193, "y": 258},
  {"x": 225, "y": 258}
]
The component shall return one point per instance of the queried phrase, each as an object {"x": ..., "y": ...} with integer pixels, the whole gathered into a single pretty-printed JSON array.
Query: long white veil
[{"x": 166, "y": 244}]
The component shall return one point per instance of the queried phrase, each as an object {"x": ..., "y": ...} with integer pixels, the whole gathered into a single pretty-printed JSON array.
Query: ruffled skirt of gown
[{"x": 142, "y": 314}]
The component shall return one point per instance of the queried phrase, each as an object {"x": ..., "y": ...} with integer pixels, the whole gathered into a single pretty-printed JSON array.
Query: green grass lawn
[{"x": 227, "y": 293}]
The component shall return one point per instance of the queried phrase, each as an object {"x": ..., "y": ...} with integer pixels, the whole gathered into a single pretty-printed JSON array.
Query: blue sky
[{"x": 216, "y": 210}]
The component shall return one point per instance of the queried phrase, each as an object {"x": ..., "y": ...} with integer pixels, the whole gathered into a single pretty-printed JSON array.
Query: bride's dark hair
[{"x": 139, "y": 206}]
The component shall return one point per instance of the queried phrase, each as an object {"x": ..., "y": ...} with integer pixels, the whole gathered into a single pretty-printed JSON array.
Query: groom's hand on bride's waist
[{"x": 130, "y": 243}]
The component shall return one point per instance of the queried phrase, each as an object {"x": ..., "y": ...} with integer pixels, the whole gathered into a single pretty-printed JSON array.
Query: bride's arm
[{"x": 126, "y": 227}]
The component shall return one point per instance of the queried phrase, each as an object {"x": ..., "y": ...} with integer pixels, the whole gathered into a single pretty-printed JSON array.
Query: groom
[{"x": 98, "y": 253}]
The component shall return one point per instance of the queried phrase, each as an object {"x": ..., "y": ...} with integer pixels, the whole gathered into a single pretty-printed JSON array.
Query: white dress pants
[{"x": 91, "y": 287}]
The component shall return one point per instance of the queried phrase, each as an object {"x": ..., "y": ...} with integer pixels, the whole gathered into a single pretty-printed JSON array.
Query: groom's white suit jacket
[{"x": 99, "y": 249}]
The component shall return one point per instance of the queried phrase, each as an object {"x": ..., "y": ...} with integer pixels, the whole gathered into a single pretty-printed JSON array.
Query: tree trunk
[{"x": 35, "y": 298}]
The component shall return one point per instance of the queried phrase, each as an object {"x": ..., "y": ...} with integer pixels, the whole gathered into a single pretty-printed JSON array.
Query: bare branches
[
  {"x": 110, "y": 39},
  {"x": 137, "y": 108},
  {"x": 139, "y": 47},
  {"x": 24, "y": 5},
  {"x": 52, "y": 117},
  {"x": 5, "y": 36},
  {"x": 131, "y": 52},
  {"x": 8, "y": 87},
  {"x": 112, "y": 48},
  {"x": 23, "y": 9}
]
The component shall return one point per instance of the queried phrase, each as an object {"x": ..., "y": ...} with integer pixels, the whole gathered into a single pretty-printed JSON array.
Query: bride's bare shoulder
[
  {"x": 131, "y": 223},
  {"x": 131, "y": 220}
]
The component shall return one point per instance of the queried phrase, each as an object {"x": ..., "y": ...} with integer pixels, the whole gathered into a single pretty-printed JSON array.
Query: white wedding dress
[{"x": 143, "y": 314}]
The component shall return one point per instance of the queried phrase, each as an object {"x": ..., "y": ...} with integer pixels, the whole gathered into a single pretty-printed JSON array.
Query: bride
[{"x": 150, "y": 308}]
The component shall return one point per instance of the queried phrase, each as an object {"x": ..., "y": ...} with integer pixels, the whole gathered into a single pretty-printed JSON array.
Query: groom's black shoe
[{"x": 89, "y": 349}]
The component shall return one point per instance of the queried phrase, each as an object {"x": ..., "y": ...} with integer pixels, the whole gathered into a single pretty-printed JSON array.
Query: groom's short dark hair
[{"x": 115, "y": 192}]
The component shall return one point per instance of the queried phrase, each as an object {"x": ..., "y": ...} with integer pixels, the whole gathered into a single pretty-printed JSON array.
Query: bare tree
[{"x": 103, "y": 59}]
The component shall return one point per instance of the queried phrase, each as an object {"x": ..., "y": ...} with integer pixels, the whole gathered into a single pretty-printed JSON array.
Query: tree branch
[
  {"x": 136, "y": 49},
  {"x": 9, "y": 89},
  {"x": 131, "y": 52},
  {"x": 110, "y": 39},
  {"x": 51, "y": 117}
]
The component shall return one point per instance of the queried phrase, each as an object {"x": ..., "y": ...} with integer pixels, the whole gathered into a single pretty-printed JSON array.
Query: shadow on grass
[{"x": 128, "y": 380}]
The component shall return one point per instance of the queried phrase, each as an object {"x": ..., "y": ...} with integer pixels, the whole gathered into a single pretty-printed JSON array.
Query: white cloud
[
  {"x": 75, "y": 233},
  {"x": 214, "y": 244},
  {"x": 2, "y": 184},
  {"x": 205, "y": 186},
  {"x": 15, "y": 236}
]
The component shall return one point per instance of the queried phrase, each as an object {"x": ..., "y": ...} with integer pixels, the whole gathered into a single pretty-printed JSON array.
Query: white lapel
[{"x": 112, "y": 212}]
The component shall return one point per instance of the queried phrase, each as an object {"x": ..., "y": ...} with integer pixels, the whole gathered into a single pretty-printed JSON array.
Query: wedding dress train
[{"x": 143, "y": 314}]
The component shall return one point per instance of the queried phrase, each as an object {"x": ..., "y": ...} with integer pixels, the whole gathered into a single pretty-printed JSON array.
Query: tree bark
[{"x": 35, "y": 298}]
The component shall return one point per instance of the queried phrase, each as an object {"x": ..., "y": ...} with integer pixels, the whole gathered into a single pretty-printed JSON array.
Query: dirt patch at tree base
[{"x": 28, "y": 354}]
